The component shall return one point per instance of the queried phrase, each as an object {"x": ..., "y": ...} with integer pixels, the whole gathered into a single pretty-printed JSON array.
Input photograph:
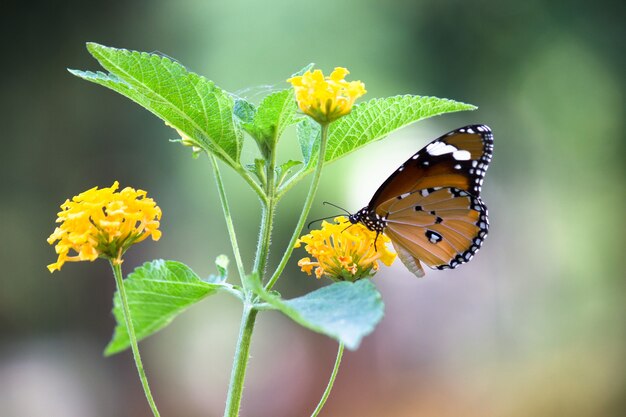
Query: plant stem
[
  {"x": 242, "y": 351},
  {"x": 267, "y": 217},
  {"x": 305, "y": 209},
  {"x": 240, "y": 363},
  {"x": 228, "y": 217},
  {"x": 331, "y": 381},
  {"x": 117, "y": 272}
]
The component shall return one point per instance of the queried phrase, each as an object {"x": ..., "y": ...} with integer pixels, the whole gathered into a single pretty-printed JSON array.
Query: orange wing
[
  {"x": 442, "y": 227},
  {"x": 457, "y": 159}
]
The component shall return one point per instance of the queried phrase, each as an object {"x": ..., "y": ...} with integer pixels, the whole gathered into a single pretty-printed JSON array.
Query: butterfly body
[{"x": 430, "y": 207}]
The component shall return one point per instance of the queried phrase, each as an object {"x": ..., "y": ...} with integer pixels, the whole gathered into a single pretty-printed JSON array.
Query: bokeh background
[{"x": 534, "y": 325}]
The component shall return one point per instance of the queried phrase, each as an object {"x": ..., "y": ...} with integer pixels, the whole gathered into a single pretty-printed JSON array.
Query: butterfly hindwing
[
  {"x": 443, "y": 227},
  {"x": 457, "y": 159}
]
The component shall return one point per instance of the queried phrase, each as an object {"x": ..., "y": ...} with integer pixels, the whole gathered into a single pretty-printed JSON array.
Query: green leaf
[
  {"x": 367, "y": 123},
  {"x": 284, "y": 169},
  {"x": 258, "y": 169},
  {"x": 221, "y": 262},
  {"x": 308, "y": 133},
  {"x": 275, "y": 113},
  {"x": 345, "y": 311},
  {"x": 267, "y": 122},
  {"x": 244, "y": 110},
  {"x": 186, "y": 101},
  {"x": 157, "y": 292}
]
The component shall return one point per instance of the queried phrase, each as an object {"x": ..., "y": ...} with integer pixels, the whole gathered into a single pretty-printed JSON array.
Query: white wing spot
[
  {"x": 440, "y": 148},
  {"x": 461, "y": 155}
]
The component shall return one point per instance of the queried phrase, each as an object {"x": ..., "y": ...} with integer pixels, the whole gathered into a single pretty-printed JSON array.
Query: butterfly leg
[{"x": 375, "y": 239}]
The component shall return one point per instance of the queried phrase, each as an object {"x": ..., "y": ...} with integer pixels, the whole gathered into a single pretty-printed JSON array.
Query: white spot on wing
[
  {"x": 461, "y": 155},
  {"x": 440, "y": 148}
]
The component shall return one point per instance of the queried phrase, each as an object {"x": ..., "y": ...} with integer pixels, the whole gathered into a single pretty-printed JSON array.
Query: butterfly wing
[
  {"x": 431, "y": 204},
  {"x": 457, "y": 159},
  {"x": 442, "y": 228}
]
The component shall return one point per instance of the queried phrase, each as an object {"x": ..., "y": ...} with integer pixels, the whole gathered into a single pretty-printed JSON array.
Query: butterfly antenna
[
  {"x": 329, "y": 217},
  {"x": 319, "y": 220},
  {"x": 336, "y": 206}
]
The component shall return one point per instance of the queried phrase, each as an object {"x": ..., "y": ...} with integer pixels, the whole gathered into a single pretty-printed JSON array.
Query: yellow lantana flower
[
  {"x": 326, "y": 98},
  {"x": 344, "y": 252},
  {"x": 103, "y": 223}
]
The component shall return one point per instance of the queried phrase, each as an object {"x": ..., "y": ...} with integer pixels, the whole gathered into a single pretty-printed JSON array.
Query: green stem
[
  {"x": 242, "y": 354},
  {"x": 267, "y": 217},
  {"x": 117, "y": 272},
  {"x": 331, "y": 381},
  {"x": 242, "y": 351},
  {"x": 264, "y": 239},
  {"x": 305, "y": 210},
  {"x": 228, "y": 217}
]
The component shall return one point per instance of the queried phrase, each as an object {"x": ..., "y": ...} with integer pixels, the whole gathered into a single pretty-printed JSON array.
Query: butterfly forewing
[{"x": 457, "y": 159}]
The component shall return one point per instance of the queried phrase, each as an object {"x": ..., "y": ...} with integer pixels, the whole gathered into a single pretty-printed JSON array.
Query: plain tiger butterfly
[{"x": 430, "y": 207}]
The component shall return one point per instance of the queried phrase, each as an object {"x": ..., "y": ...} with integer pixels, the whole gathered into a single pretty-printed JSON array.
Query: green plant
[{"x": 216, "y": 123}]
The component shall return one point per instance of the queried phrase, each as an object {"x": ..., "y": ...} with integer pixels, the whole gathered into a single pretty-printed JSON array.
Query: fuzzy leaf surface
[{"x": 345, "y": 311}]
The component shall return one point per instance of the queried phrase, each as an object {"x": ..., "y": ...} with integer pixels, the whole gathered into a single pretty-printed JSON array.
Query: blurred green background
[{"x": 534, "y": 325}]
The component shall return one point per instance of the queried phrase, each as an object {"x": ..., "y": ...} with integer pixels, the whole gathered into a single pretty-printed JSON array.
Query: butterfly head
[{"x": 369, "y": 219}]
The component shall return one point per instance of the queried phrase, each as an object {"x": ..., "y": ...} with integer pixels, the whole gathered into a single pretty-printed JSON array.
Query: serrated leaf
[
  {"x": 267, "y": 122},
  {"x": 157, "y": 292},
  {"x": 369, "y": 122},
  {"x": 275, "y": 113},
  {"x": 345, "y": 311},
  {"x": 186, "y": 101}
]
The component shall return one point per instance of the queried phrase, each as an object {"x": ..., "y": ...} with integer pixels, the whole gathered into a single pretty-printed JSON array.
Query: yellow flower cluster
[
  {"x": 326, "y": 98},
  {"x": 344, "y": 252},
  {"x": 104, "y": 223}
]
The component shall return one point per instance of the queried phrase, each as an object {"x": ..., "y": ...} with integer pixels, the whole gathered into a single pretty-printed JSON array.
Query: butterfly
[{"x": 430, "y": 207}]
